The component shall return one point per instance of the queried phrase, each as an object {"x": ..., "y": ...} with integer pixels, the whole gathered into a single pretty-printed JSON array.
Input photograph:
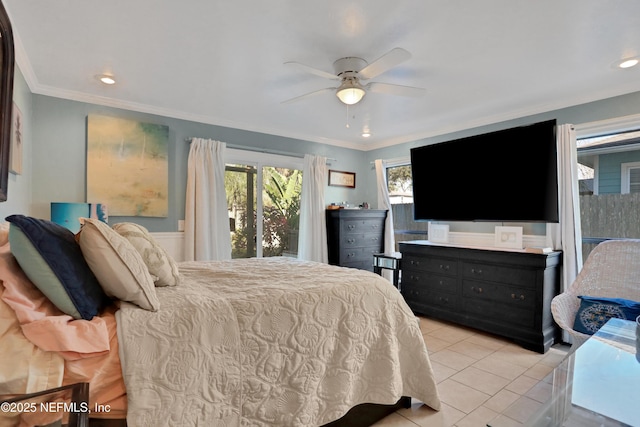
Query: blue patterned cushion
[
  {"x": 595, "y": 312},
  {"x": 53, "y": 261}
]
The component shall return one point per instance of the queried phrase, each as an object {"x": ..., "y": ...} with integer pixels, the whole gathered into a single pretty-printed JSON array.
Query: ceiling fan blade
[
  {"x": 314, "y": 71},
  {"x": 391, "y": 89},
  {"x": 309, "y": 95},
  {"x": 385, "y": 62}
]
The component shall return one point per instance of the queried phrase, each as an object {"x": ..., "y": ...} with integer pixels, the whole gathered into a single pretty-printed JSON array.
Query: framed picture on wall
[
  {"x": 17, "y": 135},
  {"x": 128, "y": 166},
  {"x": 342, "y": 179}
]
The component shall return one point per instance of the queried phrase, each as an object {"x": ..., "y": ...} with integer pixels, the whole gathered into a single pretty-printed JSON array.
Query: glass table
[
  {"x": 597, "y": 385},
  {"x": 388, "y": 261}
]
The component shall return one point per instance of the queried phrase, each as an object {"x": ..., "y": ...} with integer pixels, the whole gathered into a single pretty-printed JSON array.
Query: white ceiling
[{"x": 221, "y": 62}]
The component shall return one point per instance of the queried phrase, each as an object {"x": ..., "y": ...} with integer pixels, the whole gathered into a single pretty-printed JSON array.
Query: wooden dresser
[
  {"x": 503, "y": 292},
  {"x": 354, "y": 235}
]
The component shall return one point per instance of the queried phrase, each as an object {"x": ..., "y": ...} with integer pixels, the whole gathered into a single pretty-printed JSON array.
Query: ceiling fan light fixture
[{"x": 350, "y": 92}]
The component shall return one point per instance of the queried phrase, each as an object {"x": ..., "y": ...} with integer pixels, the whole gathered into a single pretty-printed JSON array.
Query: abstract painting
[{"x": 127, "y": 166}]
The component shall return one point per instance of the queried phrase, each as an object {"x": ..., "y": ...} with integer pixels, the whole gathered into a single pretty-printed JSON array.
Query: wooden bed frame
[{"x": 363, "y": 415}]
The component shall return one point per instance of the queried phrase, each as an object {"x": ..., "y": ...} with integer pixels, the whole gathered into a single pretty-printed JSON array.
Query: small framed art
[
  {"x": 508, "y": 237},
  {"x": 15, "y": 163},
  {"x": 438, "y": 233},
  {"x": 342, "y": 179}
]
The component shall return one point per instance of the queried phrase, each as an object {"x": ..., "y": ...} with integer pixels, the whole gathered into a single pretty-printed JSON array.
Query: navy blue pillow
[
  {"x": 52, "y": 259},
  {"x": 594, "y": 312}
]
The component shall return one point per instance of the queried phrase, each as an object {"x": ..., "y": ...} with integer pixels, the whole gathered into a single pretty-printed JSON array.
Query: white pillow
[
  {"x": 158, "y": 261},
  {"x": 116, "y": 264}
]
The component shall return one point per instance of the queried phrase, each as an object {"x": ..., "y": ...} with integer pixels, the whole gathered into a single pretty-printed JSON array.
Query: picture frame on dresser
[
  {"x": 438, "y": 233},
  {"x": 508, "y": 237}
]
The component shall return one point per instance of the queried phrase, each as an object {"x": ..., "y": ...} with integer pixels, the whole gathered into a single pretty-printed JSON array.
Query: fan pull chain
[{"x": 348, "y": 126}]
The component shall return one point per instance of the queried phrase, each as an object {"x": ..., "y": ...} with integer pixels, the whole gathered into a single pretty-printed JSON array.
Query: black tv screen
[{"x": 509, "y": 175}]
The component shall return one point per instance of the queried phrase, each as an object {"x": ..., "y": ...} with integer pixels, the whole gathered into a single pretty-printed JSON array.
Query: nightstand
[{"x": 389, "y": 261}]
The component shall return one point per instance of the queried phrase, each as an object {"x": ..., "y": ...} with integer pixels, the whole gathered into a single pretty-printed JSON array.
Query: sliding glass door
[{"x": 263, "y": 198}]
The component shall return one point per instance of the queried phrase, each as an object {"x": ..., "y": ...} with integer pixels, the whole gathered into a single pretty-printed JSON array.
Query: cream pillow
[
  {"x": 158, "y": 261},
  {"x": 116, "y": 264}
]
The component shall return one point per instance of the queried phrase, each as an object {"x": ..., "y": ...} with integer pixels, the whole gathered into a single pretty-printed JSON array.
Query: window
[
  {"x": 609, "y": 181},
  {"x": 400, "y": 186},
  {"x": 263, "y": 198},
  {"x": 630, "y": 179}
]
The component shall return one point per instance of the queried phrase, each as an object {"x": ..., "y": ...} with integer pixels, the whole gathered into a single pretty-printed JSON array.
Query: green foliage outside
[
  {"x": 281, "y": 210},
  {"x": 399, "y": 179},
  {"x": 282, "y": 189}
]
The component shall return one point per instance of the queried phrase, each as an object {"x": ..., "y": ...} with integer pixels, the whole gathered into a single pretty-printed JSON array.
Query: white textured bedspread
[{"x": 270, "y": 342}]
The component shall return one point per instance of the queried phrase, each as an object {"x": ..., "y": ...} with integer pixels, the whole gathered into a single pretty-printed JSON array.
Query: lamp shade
[
  {"x": 350, "y": 92},
  {"x": 68, "y": 214}
]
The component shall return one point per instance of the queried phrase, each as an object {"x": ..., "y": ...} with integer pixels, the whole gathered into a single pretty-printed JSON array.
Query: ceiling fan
[{"x": 351, "y": 71}]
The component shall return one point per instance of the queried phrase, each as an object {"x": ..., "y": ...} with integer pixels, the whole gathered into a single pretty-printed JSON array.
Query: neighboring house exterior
[{"x": 615, "y": 164}]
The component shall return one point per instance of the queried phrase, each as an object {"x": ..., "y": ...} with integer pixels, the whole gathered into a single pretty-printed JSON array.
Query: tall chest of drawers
[
  {"x": 507, "y": 293},
  {"x": 354, "y": 235}
]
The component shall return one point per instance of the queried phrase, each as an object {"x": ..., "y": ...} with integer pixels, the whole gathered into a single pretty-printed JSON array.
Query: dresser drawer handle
[
  {"x": 415, "y": 262},
  {"x": 474, "y": 271},
  {"x": 351, "y": 240},
  {"x": 444, "y": 267},
  {"x": 443, "y": 299},
  {"x": 478, "y": 290},
  {"x": 351, "y": 226},
  {"x": 374, "y": 226},
  {"x": 374, "y": 239},
  {"x": 415, "y": 278},
  {"x": 514, "y": 296},
  {"x": 351, "y": 255}
]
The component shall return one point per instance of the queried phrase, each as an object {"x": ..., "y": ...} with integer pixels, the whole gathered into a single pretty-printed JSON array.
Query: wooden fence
[
  {"x": 405, "y": 227},
  {"x": 607, "y": 216}
]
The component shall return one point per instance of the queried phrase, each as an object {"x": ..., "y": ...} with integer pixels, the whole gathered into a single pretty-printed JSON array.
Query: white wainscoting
[
  {"x": 487, "y": 241},
  {"x": 172, "y": 242}
]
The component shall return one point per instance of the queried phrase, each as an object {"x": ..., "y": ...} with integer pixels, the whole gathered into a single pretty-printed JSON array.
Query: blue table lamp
[{"x": 68, "y": 214}]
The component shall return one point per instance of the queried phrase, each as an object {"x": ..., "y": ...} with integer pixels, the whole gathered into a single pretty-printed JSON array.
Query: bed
[{"x": 264, "y": 342}]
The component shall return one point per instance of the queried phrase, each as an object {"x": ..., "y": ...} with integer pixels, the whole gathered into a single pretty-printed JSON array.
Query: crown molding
[{"x": 602, "y": 127}]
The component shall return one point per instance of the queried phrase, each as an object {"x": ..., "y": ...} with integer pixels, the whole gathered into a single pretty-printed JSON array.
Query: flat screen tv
[{"x": 510, "y": 175}]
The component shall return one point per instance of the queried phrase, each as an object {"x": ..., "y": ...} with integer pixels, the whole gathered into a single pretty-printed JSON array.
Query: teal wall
[
  {"x": 610, "y": 170},
  {"x": 59, "y": 156}
]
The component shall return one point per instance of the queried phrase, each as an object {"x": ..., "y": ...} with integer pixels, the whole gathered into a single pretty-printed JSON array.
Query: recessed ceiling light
[
  {"x": 366, "y": 134},
  {"x": 106, "y": 79},
  {"x": 628, "y": 63}
]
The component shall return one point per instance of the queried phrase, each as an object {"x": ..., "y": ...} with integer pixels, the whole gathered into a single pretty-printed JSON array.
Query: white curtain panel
[
  {"x": 385, "y": 203},
  {"x": 206, "y": 224},
  {"x": 567, "y": 234},
  {"x": 312, "y": 239}
]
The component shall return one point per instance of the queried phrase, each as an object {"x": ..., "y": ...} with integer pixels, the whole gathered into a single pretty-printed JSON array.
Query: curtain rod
[{"x": 264, "y": 150}]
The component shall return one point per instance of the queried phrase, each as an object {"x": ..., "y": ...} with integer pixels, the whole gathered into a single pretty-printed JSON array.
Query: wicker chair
[{"x": 612, "y": 270}]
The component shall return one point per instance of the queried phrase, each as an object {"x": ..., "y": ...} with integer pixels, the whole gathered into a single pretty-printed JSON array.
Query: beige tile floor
[{"x": 479, "y": 376}]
